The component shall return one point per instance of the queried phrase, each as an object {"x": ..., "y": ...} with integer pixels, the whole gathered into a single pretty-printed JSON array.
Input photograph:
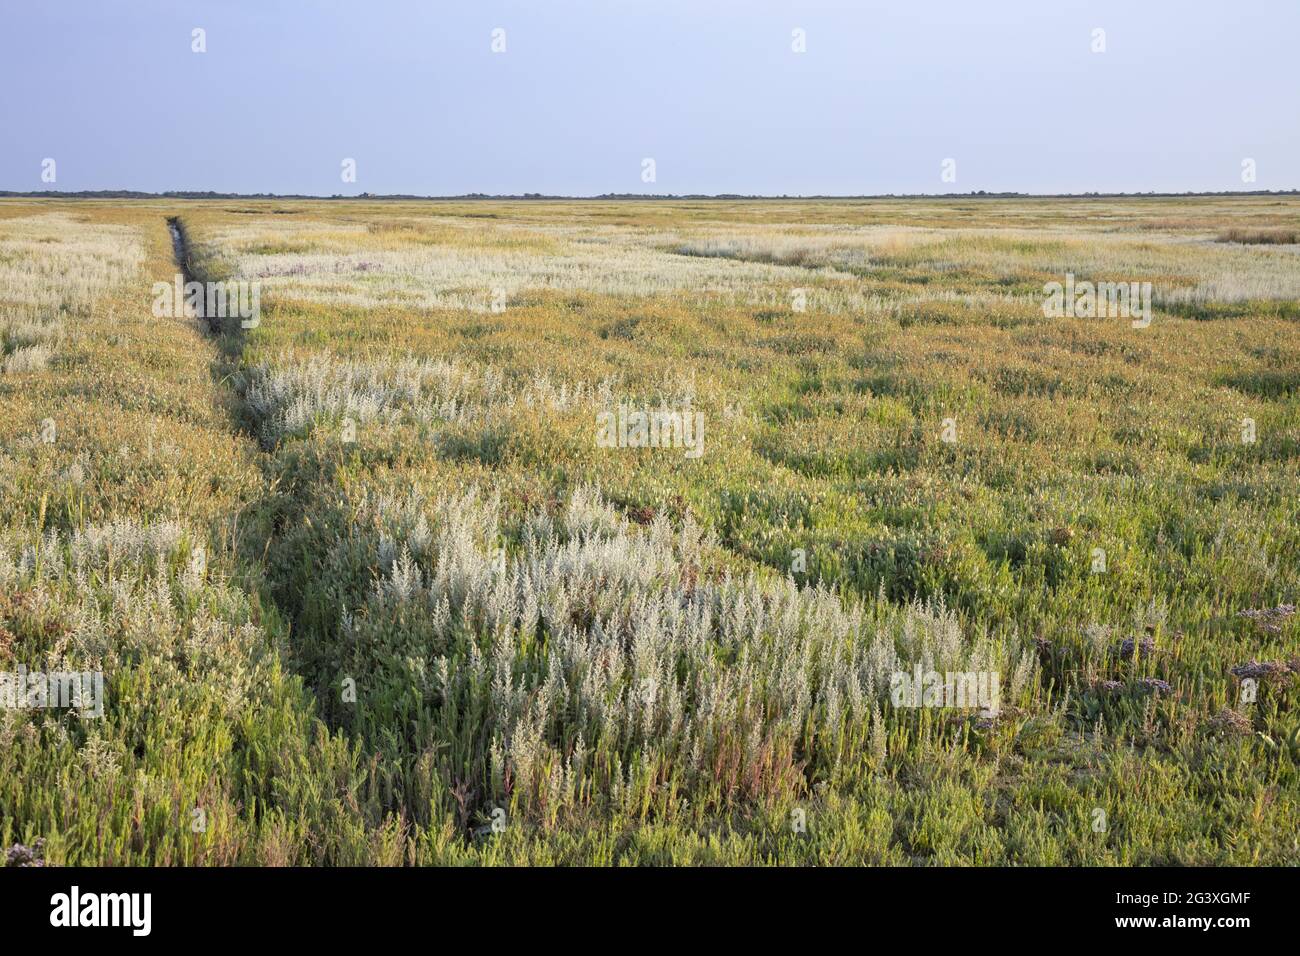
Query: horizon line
[{"x": 193, "y": 194}]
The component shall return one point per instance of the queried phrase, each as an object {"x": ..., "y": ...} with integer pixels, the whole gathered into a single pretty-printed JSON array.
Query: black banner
[{"x": 335, "y": 906}]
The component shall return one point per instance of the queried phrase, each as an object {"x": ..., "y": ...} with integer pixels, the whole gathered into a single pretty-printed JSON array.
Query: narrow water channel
[{"x": 178, "y": 244}]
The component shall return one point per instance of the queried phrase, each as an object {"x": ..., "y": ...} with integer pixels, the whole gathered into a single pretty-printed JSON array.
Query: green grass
[{"x": 472, "y": 607}]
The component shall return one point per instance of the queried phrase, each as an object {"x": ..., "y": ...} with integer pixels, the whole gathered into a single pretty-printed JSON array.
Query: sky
[{"x": 1014, "y": 93}]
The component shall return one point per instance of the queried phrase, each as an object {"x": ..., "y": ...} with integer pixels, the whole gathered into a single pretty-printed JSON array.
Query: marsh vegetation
[{"x": 363, "y": 582}]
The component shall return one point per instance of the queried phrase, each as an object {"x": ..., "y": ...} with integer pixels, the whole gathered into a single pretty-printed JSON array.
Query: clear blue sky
[{"x": 710, "y": 89}]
